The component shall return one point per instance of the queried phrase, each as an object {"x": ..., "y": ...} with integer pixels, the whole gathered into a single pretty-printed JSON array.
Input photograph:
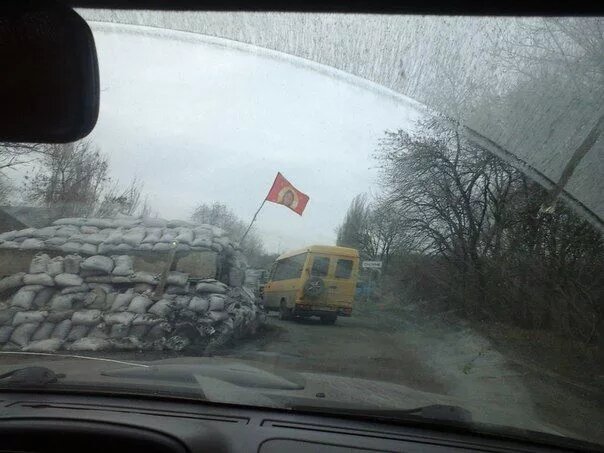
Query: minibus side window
[
  {"x": 289, "y": 268},
  {"x": 320, "y": 266},
  {"x": 343, "y": 269}
]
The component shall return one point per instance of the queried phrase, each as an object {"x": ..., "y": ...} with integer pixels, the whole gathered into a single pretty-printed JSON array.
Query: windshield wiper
[{"x": 31, "y": 376}]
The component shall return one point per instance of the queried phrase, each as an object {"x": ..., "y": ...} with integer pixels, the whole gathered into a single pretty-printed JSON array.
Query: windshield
[{"x": 360, "y": 211}]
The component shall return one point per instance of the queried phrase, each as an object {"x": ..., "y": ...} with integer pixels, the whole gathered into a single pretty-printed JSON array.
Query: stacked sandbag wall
[
  {"x": 133, "y": 236},
  {"x": 100, "y": 303}
]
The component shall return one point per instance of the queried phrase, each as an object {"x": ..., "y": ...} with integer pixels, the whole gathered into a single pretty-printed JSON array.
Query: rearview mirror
[{"x": 49, "y": 83}]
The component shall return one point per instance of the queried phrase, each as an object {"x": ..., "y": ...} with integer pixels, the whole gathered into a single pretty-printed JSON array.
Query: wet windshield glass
[{"x": 387, "y": 211}]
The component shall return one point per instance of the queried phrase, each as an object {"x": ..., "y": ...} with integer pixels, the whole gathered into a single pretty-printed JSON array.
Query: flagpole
[{"x": 252, "y": 222}]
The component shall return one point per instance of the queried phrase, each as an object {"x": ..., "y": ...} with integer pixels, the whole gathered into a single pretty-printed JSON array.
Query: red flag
[{"x": 284, "y": 193}]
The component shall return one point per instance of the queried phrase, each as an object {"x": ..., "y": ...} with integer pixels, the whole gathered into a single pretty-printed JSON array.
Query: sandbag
[
  {"x": 177, "y": 278},
  {"x": 115, "y": 237},
  {"x": 216, "y": 303},
  {"x": 152, "y": 222},
  {"x": 218, "y": 315},
  {"x": 105, "y": 287},
  {"x": 145, "y": 247},
  {"x": 90, "y": 344},
  {"x": 109, "y": 300},
  {"x": 55, "y": 266},
  {"x": 199, "y": 305},
  {"x": 122, "y": 301},
  {"x": 58, "y": 316},
  {"x": 5, "y": 333},
  {"x": 89, "y": 249},
  {"x": 62, "y": 329},
  {"x": 211, "y": 287},
  {"x": 153, "y": 235},
  {"x": 39, "y": 264},
  {"x": 146, "y": 320},
  {"x": 161, "y": 308},
  {"x": 96, "y": 238},
  {"x": 83, "y": 288},
  {"x": 122, "y": 248},
  {"x": 6, "y": 315},
  {"x": 86, "y": 317},
  {"x": 123, "y": 265},
  {"x": 143, "y": 288},
  {"x": 23, "y": 317},
  {"x": 23, "y": 333},
  {"x": 70, "y": 221},
  {"x": 99, "y": 331},
  {"x": 23, "y": 299},
  {"x": 32, "y": 244},
  {"x": 68, "y": 280},
  {"x": 202, "y": 241},
  {"x": 95, "y": 299},
  {"x": 46, "y": 232},
  {"x": 71, "y": 247},
  {"x": 10, "y": 245},
  {"x": 61, "y": 302},
  {"x": 175, "y": 290},
  {"x": 139, "y": 304},
  {"x": 38, "y": 279},
  {"x": 98, "y": 262},
  {"x": 44, "y": 331},
  {"x": 119, "y": 331},
  {"x": 123, "y": 317},
  {"x": 185, "y": 237},
  {"x": 134, "y": 237},
  {"x": 168, "y": 237},
  {"x": 8, "y": 236},
  {"x": 162, "y": 247},
  {"x": 12, "y": 281},
  {"x": 48, "y": 345},
  {"x": 144, "y": 277},
  {"x": 158, "y": 331},
  {"x": 77, "y": 332},
  {"x": 71, "y": 264},
  {"x": 55, "y": 242},
  {"x": 182, "y": 301}
]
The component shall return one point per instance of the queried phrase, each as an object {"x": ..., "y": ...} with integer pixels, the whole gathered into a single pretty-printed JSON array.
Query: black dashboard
[{"x": 34, "y": 422}]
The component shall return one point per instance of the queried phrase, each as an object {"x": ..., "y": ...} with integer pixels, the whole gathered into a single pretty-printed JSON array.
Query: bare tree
[{"x": 122, "y": 201}]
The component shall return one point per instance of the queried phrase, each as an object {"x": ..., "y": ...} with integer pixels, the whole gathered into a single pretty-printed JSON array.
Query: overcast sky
[{"x": 201, "y": 119}]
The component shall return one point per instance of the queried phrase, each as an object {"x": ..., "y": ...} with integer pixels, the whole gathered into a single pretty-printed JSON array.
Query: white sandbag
[
  {"x": 162, "y": 247},
  {"x": 62, "y": 329},
  {"x": 71, "y": 264},
  {"x": 161, "y": 308},
  {"x": 217, "y": 247},
  {"x": 69, "y": 280},
  {"x": 134, "y": 237},
  {"x": 122, "y": 248},
  {"x": 67, "y": 231},
  {"x": 8, "y": 236},
  {"x": 182, "y": 301},
  {"x": 61, "y": 302},
  {"x": 10, "y": 245},
  {"x": 55, "y": 266},
  {"x": 43, "y": 332},
  {"x": 89, "y": 249},
  {"x": 99, "y": 223},
  {"x": 98, "y": 262},
  {"x": 7, "y": 314},
  {"x": 23, "y": 317},
  {"x": 199, "y": 305},
  {"x": 55, "y": 241},
  {"x": 123, "y": 317},
  {"x": 5, "y": 333},
  {"x": 216, "y": 302},
  {"x": 177, "y": 278},
  {"x": 119, "y": 331},
  {"x": 123, "y": 265},
  {"x": 122, "y": 301},
  {"x": 169, "y": 236},
  {"x": 46, "y": 232},
  {"x": 217, "y": 316},
  {"x": 95, "y": 299},
  {"x": 144, "y": 277},
  {"x": 88, "y": 229},
  {"x": 23, "y": 299},
  {"x": 58, "y": 316},
  {"x": 39, "y": 264},
  {"x": 43, "y": 297},
  {"x": 202, "y": 241},
  {"x": 140, "y": 304},
  {"x": 105, "y": 287},
  {"x": 211, "y": 287},
  {"x": 152, "y": 236},
  {"x": 77, "y": 332},
  {"x": 183, "y": 248},
  {"x": 83, "y": 288},
  {"x": 109, "y": 300},
  {"x": 86, "y": 317},
  {"x": 158, "y": 331},
  {"x": 152, "y": 222},
  {"x": 185, "y": 236},
  {"x": 22, "y": 333},
  {"x": 145, "y": 247},
  {"x": 12, "y": 281},
  {"x": 99, "y": 331},
  {"x": 32, "y": 244},
  {"x": 175, "y": 290},
  {"x": 90, "y": 344},
  {"x": 114, "y": 237},
  {"x": 47, "y": 345},
  {"x": 38, "y": 279},
  {"x": 146, "y": 320},
  {"x": 71, "y": 247},
  {"x": 77, "y": 237},
  {"x": 96, "y": 238},
  {"x": 143, "y": 288},
  {"x": 26, "y": 233}
]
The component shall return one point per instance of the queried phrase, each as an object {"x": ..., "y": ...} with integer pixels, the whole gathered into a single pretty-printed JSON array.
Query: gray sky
[{"x": 201, "y": 119}]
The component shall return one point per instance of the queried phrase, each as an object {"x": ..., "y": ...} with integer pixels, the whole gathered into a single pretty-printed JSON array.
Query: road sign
[{"x": 371, "y": 264}]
